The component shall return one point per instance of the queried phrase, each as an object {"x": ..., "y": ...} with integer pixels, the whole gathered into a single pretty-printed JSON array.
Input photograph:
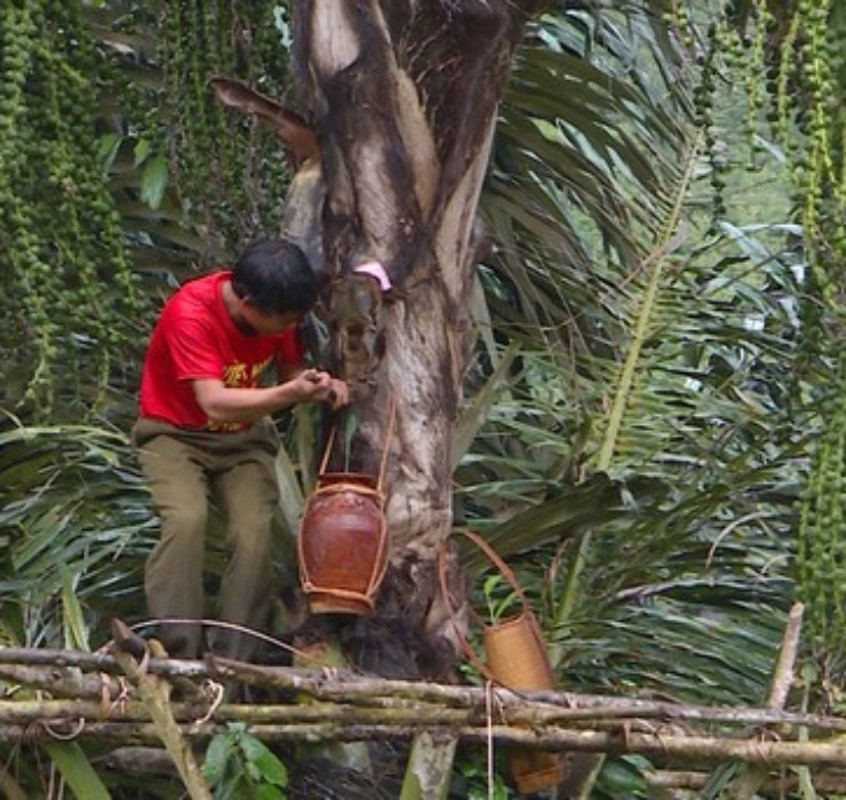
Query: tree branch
[{"x": 155, "y": 694}]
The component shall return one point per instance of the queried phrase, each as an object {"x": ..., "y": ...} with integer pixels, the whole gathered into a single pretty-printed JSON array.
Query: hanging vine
[
  {"x": 819, "y": 176},
  {"x": 71, "y": 294},
  {"x": 805, "y": 78},
  {"x": 729, "y": 60},
  {"x": 756, "y": 72},
  {"x": 227, "y": 170},
  {"x": 822, "y": 549},
  {"x": 787, "y": 58}
]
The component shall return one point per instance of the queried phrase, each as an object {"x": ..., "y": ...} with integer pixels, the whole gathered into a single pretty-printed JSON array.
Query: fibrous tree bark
[{"x": 404, "y": 99}]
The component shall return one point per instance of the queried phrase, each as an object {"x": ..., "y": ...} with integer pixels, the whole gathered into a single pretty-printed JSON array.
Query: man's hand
[
  {"x": 313, "y": 384},
  {"x": 339, "y": 393}
]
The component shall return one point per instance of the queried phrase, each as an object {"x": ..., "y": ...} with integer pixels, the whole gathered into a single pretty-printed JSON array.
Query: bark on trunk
[{"x": 404, "y": 96}]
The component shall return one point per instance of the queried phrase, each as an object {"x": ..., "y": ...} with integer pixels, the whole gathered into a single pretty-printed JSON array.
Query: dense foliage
[
  {"x": 70, "y": 297},
  {"x": 653, "y": 432}
]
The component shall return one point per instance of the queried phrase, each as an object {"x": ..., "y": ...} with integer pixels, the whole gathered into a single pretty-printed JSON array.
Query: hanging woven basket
[
  {"x": 517, "y": 659},
  {"x": 343, "y": 541}
]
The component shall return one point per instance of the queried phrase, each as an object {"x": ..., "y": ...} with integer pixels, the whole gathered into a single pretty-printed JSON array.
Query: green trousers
[{"x": 186, "y": 470}]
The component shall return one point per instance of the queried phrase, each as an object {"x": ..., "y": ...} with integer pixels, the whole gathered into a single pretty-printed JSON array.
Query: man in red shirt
[{"x": 204, "y": 431}]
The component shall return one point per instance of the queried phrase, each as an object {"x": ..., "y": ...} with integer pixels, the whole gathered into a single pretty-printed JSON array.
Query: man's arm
[{"x": 222, "y": 403}]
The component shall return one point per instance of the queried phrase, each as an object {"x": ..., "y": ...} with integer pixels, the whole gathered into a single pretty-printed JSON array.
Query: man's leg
[
  {"x": 249, "y": 495},
  {"x": 173, "y": 579}
]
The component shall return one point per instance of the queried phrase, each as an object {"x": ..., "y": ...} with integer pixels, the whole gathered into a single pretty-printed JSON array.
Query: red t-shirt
[{"x": 195, "y": 339}]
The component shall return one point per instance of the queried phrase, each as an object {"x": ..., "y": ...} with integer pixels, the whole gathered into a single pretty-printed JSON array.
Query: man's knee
[
  {"x": 184, "y": 521},
  {"x": 251, "y": 535}
]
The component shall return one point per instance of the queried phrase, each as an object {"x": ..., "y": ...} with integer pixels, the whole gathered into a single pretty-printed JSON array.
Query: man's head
[
  {"x": 274, "y": 275},
  {"x": 274, "y": 284}
]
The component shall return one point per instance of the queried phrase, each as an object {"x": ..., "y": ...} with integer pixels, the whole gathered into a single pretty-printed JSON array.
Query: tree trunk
[{"x": 404, "y": 96}]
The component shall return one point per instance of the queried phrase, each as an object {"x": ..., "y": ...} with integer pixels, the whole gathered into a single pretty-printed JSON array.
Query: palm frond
[
  {"x": 75, "y": 514},
  {"x": 690, "y": 506}
]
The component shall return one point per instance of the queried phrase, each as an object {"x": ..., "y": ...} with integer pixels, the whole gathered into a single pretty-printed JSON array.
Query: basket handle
[
  {"x": 389, "y": 431},
  {"x": 392, "y": 414},
  {"x": 497, "y": 561},
  {"x": 509, "y": 575},
  {"x": 469, "y": 652}
]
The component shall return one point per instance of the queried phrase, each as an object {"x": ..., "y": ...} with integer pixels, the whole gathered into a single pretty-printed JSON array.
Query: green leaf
[
  {"x": 235, "y": 788},
  {"x": 270, "y": 768},
  {"x": 621, "y": 779},
  {"x": 252, "y": 773},
  {"x": 491, "y": 583},
  {"x": 107, "y": 150},
  {"x": 154, "y": 181},
  {"x": 142, "y": 149},
  {"x": 217, "y": 758},
  {"x": 348, "y": 427},
  {"x": 77, "y": 771},
  {"x": 76, "y": 630}
]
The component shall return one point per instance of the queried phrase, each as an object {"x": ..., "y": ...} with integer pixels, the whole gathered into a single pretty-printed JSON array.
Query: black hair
[{"x": 275, "y": 276}]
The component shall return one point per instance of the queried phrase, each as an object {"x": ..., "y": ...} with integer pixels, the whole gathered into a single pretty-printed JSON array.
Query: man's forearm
[{"x": 226, "y": 404}]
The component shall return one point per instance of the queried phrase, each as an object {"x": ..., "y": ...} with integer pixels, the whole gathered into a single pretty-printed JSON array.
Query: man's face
[{"x": 261, "y": 323}]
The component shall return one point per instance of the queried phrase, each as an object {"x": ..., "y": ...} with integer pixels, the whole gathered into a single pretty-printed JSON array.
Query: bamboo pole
[
  {"x": 529, "y": 707},
  {"x": 346, "y": 707},
  {"x": 68, "y": 714},
  {"x": 754, "y": 775},
  {"x": 674, "y": 747},
  {"x": 827, "y": 781}
]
